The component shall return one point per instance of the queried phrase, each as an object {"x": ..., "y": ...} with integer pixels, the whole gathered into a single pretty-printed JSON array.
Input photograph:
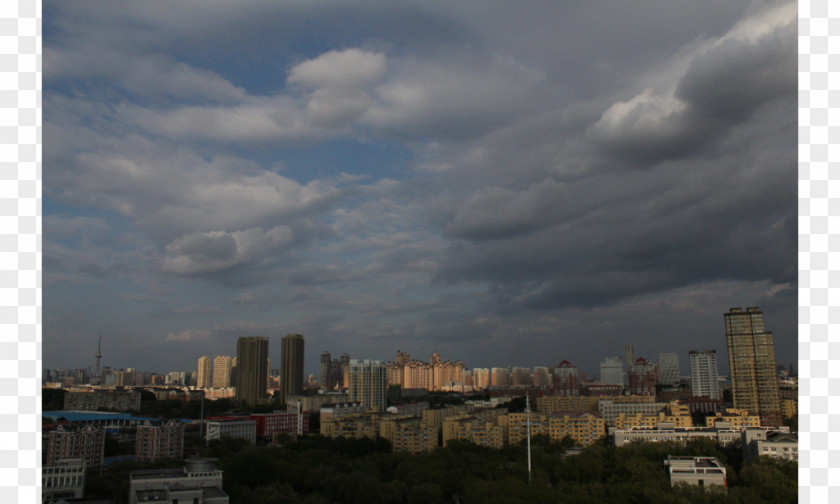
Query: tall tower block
[{"x": 752, "y": 365}]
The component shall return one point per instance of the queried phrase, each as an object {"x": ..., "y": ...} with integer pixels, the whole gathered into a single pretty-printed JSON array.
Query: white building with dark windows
[
  {"x": 696, "y": 471},
  {"x": 232, "y": 428},
  {"x": 198, "y": 482},
  {"x": 65, "y": 479},
  {"x": 704, "y": 374}
]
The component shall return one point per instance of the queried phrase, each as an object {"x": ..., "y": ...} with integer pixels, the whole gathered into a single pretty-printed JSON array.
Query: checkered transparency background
[{"x": 20, "y": 250}]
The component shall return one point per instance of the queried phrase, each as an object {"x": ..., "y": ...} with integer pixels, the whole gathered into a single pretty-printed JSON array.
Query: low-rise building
[
  {"x": 338, "y": 411},
  {"x": 736, "y": 417},
  {"x": 611, "y": 408},
  {"x": 584, "y": 429},
  {"x": 408, "y": 434},
  {"x": 696, "y": 471},
  {"x": 242, "y": 428},
  {"x": 198, "y": 482},
  {"x": 63, "y": 480},
  {"x": 723, "y": 435},
  {"x": 471, "y": 428},
  {"x": 776, "y": 443},
  {"x": 292, "y": 422},
  {"x": 103, "y": 399},
  {"x": 674, "y": 413},
  {"x": 356, "y": 427}
]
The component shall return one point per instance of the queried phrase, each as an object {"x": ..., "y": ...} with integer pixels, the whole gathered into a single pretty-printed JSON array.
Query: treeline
[{"x": 319, "y": 470}]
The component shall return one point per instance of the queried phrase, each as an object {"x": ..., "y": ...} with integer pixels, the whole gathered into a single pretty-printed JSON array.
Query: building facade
[
  {"x": 198, "y": 482},
  {"x": 155, "y": 442},
  {"x": 87, "y": 443},
  {"x": 752, "y": 364},
  {"x": 222, "y": 365},
  {"x": 205, "y": 372},
  {"x": 704, "y": 374},
  {"x": 291, "y": 366},
  {"x": 368, "y": 383},
  {"x": 64, "y": 480},
  {"x": 252, "y": 370},
  {"x": 669, "y": 370}
]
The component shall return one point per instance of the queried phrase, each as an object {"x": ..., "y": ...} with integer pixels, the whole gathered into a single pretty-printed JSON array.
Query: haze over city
[{"x": 502, "y": 185}]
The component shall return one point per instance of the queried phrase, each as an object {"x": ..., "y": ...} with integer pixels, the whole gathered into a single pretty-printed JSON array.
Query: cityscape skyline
[
  {"x": 613, "y": 367},
  {"x": 421, "y": 179}
]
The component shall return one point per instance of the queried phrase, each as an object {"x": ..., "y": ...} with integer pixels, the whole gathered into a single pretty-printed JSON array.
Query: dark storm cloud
[{"x": 576, "y": 172}]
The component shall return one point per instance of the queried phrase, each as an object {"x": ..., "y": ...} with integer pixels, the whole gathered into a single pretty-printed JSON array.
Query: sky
[{"x": 505, "y": 183}]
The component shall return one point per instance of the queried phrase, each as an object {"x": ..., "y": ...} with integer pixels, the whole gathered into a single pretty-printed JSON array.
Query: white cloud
[
  {"x": 350, "y": 68},
  {"x": 215, "y": 251}
]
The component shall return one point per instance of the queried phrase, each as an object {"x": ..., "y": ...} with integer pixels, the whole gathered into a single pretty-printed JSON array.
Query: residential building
[
  {"x": 63, "y": 480},
  {"x": 222, "y": 365},
  {"x": 584, "y": 428},
  {"x": 642, "y": 377},
  {"x": 610, "y": 409},
  {"x": 368, "y": 383},
  {"x": 669, "y": 370},
  {"x": 205, "y": 375},
  {"x": 566, "y": 379},
  {"x": 198, "y": 482},
  {"x": 326, "y": 370},
  {"x": 480, "y": 430},
  {"x": 314, "y": 403},
  {"x": 291, "y": 366},
  {"x": 165, "y": 440},
  {"x": 612, "y": 372},
  {"x": 735, "y": 417},
  {"x": 695, "y": 471},
  {"x": 252, "y": 370},
  {"x": 723, "y": 435},
  {"x": 408, "y": 434},
  {"x": 86, "y": 442},
  {"x": 704, "y": 374},
  {"x": 674, "y": 413},
  {"x": 752, "y": 365}
]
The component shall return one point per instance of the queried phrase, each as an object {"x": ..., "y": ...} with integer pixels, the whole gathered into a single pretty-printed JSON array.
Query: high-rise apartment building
[
  {"x": 205, "y": 367},
  {"x": 704, "y": 374},
  {"x": 752, "y": 365},
  {"x": 251, "y": 370},
  {"x": 222, "y": 371},
  {"x": 155, "y": 442},
  {"x": 345, "y": 370},
  {"x": 291, "y": 366},
  {"x": 326, "y": 370},
  {"x": 612, "y": 371},
  {"x": 368, "y": 383},
  {"x": 566, "y": 379},
  {"x": 642, "y": 377},
  {"x": 669, "y": 369}
]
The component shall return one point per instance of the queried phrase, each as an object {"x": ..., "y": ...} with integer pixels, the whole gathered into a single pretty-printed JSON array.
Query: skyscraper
[
  {"x": 251, "y": 370},
  {"x": 291, "y": 366},
  {"x": 326, "y": 370},
  {"x": 345, "y": 370},
  {"x": 704, "y": 374},
  {"x": 368, "y": 383},
  {"x": 204, "y": 379},
  {"x": 669, "y": 369},
  {"x": 752, "y": 365}
]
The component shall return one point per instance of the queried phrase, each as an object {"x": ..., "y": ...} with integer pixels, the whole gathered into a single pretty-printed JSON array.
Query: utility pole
[{"x": 528, "y": 424}]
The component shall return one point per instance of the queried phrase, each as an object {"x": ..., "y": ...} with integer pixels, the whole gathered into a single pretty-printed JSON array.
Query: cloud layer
[{"x": 517, "y": 188}]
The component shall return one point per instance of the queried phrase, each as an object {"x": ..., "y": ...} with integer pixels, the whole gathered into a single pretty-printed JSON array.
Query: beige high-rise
[
  {"x": 204, "y": 378},
  {"x": 221, "y": 371},
  {"x": 752, "y": 365}
]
